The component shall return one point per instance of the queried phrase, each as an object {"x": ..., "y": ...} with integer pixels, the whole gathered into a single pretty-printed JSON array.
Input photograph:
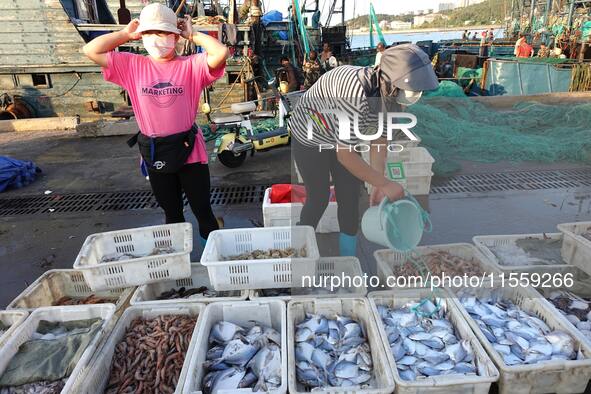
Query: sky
[{"x": 361, "y": 7}]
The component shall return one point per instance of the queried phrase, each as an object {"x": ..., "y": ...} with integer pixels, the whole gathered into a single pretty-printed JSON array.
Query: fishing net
[
  {"x": 456, "y": 129},
  {"x": 446, "y": 89}
]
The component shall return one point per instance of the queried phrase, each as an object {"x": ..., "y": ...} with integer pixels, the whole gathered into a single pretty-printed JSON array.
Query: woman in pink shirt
[{"x": 165, "y": 90}]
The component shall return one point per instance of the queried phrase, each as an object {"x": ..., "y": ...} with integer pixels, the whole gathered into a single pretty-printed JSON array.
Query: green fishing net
[
  {"x": 446, "y": 89},
  {"x": 455, "y": 129}
]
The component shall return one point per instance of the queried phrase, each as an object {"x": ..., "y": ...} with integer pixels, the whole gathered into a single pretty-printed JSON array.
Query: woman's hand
[
  {"x": 185, "y": 25},
  {"x": 393, "y": 190},
  {"x": 131, "y": 30}
]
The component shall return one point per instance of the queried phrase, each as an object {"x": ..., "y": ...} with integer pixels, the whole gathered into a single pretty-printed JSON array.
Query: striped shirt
[{"x": 311, "y": 122}]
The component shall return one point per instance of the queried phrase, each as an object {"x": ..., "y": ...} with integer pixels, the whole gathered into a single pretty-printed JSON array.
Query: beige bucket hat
[{"x": 157, "y": 16}]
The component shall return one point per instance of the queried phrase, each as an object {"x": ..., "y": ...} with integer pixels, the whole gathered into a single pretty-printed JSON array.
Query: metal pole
[
  {"x": 571, "y": 12},
  {"x": 343, "y": 13},
  {"x": 531, "y": 15},
  {"x": 547, "y": 14}
]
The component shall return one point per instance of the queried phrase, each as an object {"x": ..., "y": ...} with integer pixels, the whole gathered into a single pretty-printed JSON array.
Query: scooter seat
[
  {"x": 244, "y": 108},
  {"x": 229, "y": 118},
  {"x": 262, "y": 114}
]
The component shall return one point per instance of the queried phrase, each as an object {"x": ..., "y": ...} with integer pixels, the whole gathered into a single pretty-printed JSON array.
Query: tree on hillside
[{"x": 489, "y": 11}]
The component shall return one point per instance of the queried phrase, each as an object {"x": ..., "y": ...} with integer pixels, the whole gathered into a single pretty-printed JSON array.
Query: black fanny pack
[{"x": 165, "y": 154}]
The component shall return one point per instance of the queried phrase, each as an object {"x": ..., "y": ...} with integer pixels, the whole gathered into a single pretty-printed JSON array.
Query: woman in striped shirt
[{"x": 327, "y": 121}]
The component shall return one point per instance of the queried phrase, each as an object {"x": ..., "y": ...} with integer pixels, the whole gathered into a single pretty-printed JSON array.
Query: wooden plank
[
  {"x": 22, "y": 3},
  {"x": 44, "y": 68},
  {"x": 33, "y": 14},
  {"x": 39, "y": 124},
  {"x": 104, "y": 128},
  {"x": 40, "y": 38},
  {"x": 45, "y": 49},
  {"x": 37, "y": 61}
]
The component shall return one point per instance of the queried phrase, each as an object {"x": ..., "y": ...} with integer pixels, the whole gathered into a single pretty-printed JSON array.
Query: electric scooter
[{"x": 232, "y": 147}]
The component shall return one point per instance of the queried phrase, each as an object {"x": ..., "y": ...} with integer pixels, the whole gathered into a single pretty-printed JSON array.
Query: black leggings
[
  {"x": 316, "y": 168},
  {"x": 193, "y": 179}
]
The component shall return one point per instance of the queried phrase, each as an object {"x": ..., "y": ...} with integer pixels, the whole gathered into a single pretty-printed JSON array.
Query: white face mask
[{"x": 159, "y": 47}]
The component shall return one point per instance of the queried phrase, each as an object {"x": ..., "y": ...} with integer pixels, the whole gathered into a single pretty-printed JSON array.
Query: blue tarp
[
  {"x": 15, "y": 173},
  {"x": 271, "y": 16},
  {"x": 513, "y": 78}
]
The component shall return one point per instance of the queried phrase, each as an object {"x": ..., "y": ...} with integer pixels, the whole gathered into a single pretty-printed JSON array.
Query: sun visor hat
[
  {"x": 156, "y": 16},
  {"x": 407, "y": 67}
]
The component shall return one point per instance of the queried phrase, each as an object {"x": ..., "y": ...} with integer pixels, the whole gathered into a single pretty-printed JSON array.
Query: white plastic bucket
[{"x": 398, "y": 225}]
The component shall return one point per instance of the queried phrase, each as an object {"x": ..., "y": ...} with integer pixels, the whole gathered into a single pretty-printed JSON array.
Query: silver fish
[
  {"x": 346, "y": 370},
  {"x": 238, "y": 352},
  {"x": 435, "y": 357},
  {"x": 522, "y": 338},
  {"x": 352, "y": 329},
  {"x": 223, "y": 332},
  {"x": 336, "y": 353},
  {"x": 266, "y": 365},
  {"x": 208, "y": 381},
  {"x": 407, "y": 375},
  {"x": 303, "y": 334},
  {"x": 464, "y": 368},
  {"x": 316, "y": 324},
  {"x": 562, "y": 343},
  {"x": 248, "y": 380},
  {"x": 421, "y": 350},
  {"x": 321, "y": 359},
  {"x": 502, "y": 349},
  {"x": 309, "y": 375},
  {"x": 303, "y": 351},
  {"x": 398, "y": 351},
  {"x": 214, "y": 353},
  {"x": 216, "y": 365},
  {"x": 456, "y": 352},
  {"x": 228, "y": 379},
  {"x": 407, "y": 360}
]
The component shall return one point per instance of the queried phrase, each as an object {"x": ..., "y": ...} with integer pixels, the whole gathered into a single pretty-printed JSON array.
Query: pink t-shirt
[{"x": 164, "y": 95}]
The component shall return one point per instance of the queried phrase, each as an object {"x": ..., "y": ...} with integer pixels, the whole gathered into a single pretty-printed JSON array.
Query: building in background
[
  {"x": 422, "y": 19},
  {"x": 400, "y": 25}
]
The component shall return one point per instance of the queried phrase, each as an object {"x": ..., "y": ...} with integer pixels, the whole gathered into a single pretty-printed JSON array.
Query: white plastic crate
[
  {"x": 266, "y": 312},
  {"x": 443, "y": 384},
  {"x": 24, "y": 332},
  {"x": 485, "y": 242},
  {"x": 96, "y": 375},
  {"x": 581, "y": 287},
  {"x": 288, "y": 214},
  {"x": 264, "y": 273},
  {"x": 326, "y": 267},
  {"x": 555, "y": 376},
  {"x": 387, "y": 259},
  {"x": 358, "y": 309},
  {"x": 418, "y": 185},
  {"x": 147, "y": 294},
  {"x": 55, "y": 284},
  {"x": 576, "y": 249},
  {"x": 11, "y": 319},
  {"x": 136, "y": 271}
]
